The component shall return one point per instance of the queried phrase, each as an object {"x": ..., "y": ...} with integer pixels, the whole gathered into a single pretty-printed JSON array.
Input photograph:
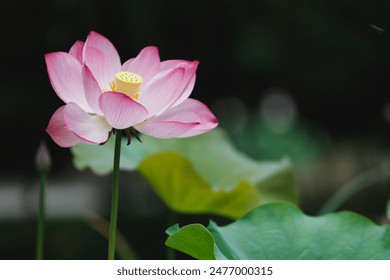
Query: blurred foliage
[
  {"x": 302, "y": 143},
  {"x": 212, "y": 175},
  {"x": 70, "y": 239},
  {"x": 183, "y": 190},
  {"x": 365, "y": 180},
  {"x": 280, "y": 231}
]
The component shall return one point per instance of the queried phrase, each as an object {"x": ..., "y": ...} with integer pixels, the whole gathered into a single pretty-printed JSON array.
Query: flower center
[{"x": 127, "y": 83}]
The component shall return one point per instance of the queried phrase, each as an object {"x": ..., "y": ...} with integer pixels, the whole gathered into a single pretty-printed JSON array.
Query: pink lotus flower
[{"x": 144, "y": 94}]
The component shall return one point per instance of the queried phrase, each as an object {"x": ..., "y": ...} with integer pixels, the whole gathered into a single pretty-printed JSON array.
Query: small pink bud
[{"x": 42, "y": 158}]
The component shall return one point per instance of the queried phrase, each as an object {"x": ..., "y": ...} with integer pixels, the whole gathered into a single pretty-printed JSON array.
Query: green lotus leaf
[
  {"x": 212, "y": 156},
  {"x": 202, "y": 249},
  {"x": 280, "y": 231},
  {"x": 183, "y": 190}
]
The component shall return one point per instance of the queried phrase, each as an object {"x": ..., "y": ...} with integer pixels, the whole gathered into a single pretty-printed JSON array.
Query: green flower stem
[
  {"x": 115, "y": 197},
  {"x": 41, "y": 216},
  {"x": 172, "y": 219}
]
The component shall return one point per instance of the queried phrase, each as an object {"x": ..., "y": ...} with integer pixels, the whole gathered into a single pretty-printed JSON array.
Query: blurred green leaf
[
  {"x": 99, "y": 158},
  {"x": 282, "y": 231},
  {"x": 302, "y": 142},
  {"x": 212, "y": 156},
  {"x": 183, "y": 190}
]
